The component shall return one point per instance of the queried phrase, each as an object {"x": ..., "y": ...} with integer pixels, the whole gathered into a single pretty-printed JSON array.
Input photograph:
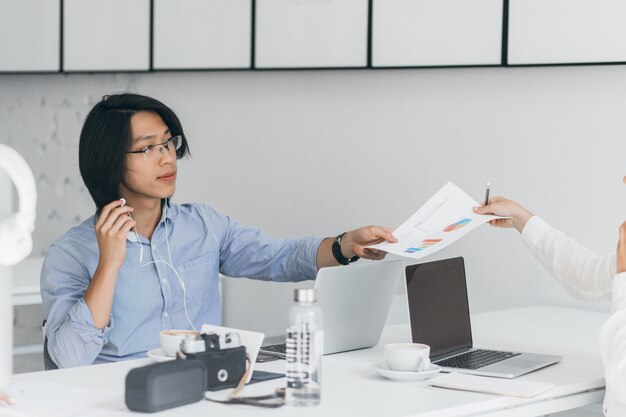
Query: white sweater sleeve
[
  {"x": 613, "y": 350},
  {"x": 580, "y": 271}
]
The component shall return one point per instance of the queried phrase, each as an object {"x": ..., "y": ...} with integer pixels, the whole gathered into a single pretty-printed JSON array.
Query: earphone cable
[{"x": 169, "y": 254}]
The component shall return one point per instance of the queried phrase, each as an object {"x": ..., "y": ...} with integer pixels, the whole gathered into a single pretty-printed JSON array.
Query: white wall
[{"x": 319, "y": 152}]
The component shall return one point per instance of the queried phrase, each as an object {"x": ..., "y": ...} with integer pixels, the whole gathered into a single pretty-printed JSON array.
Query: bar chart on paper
[
  {"x": 445, "y": 218},
  {"x": 457, "y": 225}
]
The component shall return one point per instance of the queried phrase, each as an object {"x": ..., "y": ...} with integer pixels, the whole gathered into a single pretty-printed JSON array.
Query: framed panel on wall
[
  {"x": 311, "y": 33},
  {"x": 423, "y": 33},
  {"x": 566, "y": 31},
  {"x": 112, "y": 35},
  {"x": 30, "y": 35},
  {"x": 202, "y": 34}
]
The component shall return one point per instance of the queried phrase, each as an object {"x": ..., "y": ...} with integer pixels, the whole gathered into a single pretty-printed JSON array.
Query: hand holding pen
[
  {"x": 517, "y": 215},
  {"x": 487, "y": 193}
]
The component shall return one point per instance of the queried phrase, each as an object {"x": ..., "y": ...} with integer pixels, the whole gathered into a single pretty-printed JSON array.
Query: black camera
[
  {"x": 223, "y": 356},
  {"x": 208, "y": 362}
]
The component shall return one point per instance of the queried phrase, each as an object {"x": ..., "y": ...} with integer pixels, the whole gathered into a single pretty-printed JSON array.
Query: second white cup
[{"x": 407, "y": 356}]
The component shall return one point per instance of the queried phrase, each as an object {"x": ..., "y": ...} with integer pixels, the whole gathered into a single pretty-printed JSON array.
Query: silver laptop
[
  {"x": 439, "y": 316},
  {"x": 355, "y": 300}
]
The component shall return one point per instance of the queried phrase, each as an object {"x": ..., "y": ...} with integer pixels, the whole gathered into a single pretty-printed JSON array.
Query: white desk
[{"x": 351, "y": 388}]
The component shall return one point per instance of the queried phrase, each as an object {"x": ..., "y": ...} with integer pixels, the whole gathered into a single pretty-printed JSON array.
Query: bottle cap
[{"x": 305, "y": 295}]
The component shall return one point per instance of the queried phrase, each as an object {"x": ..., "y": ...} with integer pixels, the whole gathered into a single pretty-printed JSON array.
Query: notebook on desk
[
  {"x": 439, "y": 317},
  {"x": 355, "y": 301},
  {"x": 509, "y": 387}
]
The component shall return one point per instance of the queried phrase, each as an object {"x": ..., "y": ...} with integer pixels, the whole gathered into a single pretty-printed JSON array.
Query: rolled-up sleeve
[
  {"x": 249, "y": 252},
  {"x": 73, "y": 339}
]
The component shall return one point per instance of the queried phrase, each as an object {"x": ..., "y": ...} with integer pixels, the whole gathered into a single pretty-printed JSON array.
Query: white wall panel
[
  {"x": 566, "y": 31},
  {"x": 29, "y": 35},
  {"x": 436, "y": 32},
  {"x": 193, "y": 34},
  {"x": 311, "y": 33},
  {"x": 111, "y": 35}
]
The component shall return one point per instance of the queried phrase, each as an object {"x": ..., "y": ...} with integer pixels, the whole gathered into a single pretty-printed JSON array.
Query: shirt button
[
  {"x": 164, "y": 281},
  {"x": 165, "y": 315}
]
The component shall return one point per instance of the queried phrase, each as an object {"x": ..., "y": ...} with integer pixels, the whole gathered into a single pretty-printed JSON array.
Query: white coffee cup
[
  {"x": 407, "y": 356},
  {"x": 170, "y": 340}
]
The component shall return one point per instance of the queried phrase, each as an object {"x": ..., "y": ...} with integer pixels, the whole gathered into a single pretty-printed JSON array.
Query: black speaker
[{"x": 165, "y": 385}]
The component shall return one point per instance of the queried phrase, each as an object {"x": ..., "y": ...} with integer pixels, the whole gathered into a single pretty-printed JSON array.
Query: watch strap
[{"x": 336, "y": 249}]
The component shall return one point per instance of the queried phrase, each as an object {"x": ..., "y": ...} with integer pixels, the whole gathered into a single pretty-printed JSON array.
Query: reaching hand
[
  {"x": 354, "y": 242},
  {"x": 501, "y": 206},
  {"x": 621, "y": 249}
]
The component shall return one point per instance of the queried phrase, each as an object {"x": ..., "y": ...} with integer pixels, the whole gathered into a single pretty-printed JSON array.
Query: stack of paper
[{"x": 498, "y": 386}]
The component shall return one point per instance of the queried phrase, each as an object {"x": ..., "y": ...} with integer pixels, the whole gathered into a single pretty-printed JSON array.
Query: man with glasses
[{"x": 142, "y": 264}]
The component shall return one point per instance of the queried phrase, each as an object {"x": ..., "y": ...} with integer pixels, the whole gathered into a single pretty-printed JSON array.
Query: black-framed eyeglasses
[{"x": 172, "y": 144}]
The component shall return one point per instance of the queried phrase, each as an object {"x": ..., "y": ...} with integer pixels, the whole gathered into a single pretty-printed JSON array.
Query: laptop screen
[{"x": 438, "y": 307}]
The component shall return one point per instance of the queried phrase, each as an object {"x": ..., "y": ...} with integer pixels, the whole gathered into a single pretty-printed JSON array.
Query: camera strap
[
  {"x": 266, "y": 401},
  {"x": 275, "y": 400}
]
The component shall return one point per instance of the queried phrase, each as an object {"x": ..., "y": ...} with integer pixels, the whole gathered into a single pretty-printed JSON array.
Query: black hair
[{"x": 107, "y": 136}]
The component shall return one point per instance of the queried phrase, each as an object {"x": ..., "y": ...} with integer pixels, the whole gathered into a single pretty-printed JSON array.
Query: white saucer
[
  {"x": 159, "y": 356},
  {"x": 383, "y": 369}
]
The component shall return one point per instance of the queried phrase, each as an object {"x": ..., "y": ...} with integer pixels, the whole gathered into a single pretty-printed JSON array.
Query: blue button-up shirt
[{"x": 149, "y": 297}]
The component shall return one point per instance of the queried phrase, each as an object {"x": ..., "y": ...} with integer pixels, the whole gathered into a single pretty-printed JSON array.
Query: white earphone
[
  {"x": 134, "y": 238},
  {"x": 15, "y": 231}
]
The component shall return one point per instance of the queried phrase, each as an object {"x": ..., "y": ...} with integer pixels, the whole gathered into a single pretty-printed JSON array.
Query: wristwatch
[{"x": 336, "y": 249}]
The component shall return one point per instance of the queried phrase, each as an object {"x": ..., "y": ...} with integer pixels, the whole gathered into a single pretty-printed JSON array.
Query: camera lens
[{"x": 222, "y": 375}]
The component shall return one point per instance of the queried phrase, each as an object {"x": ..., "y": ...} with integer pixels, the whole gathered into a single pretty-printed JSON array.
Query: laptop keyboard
[
  {"x": 476, "y": 359},
  {"x": 278, "y": 349}
]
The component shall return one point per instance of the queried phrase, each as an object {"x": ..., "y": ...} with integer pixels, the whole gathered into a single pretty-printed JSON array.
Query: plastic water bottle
[{"x": 304, "y": 350}]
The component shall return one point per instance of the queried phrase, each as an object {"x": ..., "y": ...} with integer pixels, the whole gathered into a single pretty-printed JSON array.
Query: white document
[
  {"x": 445, "y": 218},
  {"x": 498, "y": 386}
]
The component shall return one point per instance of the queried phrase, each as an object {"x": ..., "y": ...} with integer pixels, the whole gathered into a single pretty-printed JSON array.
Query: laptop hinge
[{"x": 449, "y": 354}]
